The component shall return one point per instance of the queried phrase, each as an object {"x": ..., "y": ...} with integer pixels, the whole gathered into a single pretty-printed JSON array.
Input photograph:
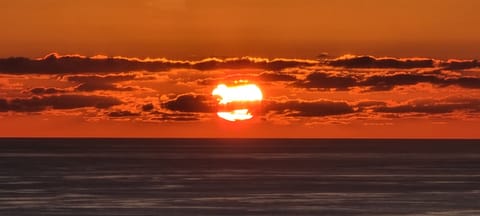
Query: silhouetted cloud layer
[
  {"x": 460, "y": 64},
  {"x": 318, "y": 108},
  {"x": 190, "y": 103},
  {"x": 175, "y": 117},
  {"x": 203, "y": 104},
  {"x": 433, "y": 106},
  {"x": 73, "y": 64},
  {"x": 36, "y": 104},
  {"x": 268, "y": 76},
  {"x": 293, "y": 88},
  {"x": 41, "y": 91},
  {"x": 325, "y": 80},
  {"x": 96, "y": 82},
  {"x": 147, "y": 107},
  {"x": 351, "y": 61},
  {"x": 124, "y": 113},
  {"x": 300, "y": 108}
]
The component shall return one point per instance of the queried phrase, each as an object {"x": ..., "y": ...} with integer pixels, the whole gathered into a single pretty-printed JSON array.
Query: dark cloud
[
  {"x": 271, "y": 76},
  {"x": 148, "y": 107},
  {"x": 41, "y": 91},
  {"x": 72, "y": 64},
  {"x": 55, "y": 64},
  {"x": 369, "y": 104},
  {"x": 365, "y": 61},
  {"x": 308, "y": 108},
  {"x": 3, "y": 105},
  {"x": 460, "y": 65},
  {"x": 433, "y": 106},
  {"x": 465, "y": 82},
  {"x": 36, "y": 104},
  {"x": 162, "y": 116},
  {"x": 323, "y": 80},
  {"x": 326, "y": 81},
  {"x": 88, "y": 87},
  {"x": 190, "y": 103},
  {"x": 248, "y": 62},
  {"x": 384, "y": 83},
  {"x": 124, "y": 113},
  {"x": 169, "y": 118},
  {"x": 279, "y": 64},
  {"x": 203, "y": 104},
  {"x": 99, "y": 78},
  {"x": 373, "y": 62},
  {"x": 89, "y": 83},
  {"x": 98, "y": 82},
  {"x": 186, "y": 107}
]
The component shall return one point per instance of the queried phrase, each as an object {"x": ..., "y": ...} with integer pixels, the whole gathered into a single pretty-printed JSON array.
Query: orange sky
[
  {"x": 346, "y": 68},
  {"x": 193, "y": 29}
]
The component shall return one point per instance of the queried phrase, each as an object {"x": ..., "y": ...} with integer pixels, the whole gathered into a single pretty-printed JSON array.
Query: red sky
[{"x": 363, "y": 68}]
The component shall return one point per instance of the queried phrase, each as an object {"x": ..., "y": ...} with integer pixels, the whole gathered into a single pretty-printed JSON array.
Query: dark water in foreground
[{"x": 239, "y": 177}]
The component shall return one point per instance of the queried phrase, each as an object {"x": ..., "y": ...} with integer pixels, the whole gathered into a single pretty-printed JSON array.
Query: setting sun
[{"x": 236, "y": 101}]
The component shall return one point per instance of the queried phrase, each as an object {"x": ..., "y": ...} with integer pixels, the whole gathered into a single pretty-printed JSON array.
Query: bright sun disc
[{"x": 236, "y": 100}]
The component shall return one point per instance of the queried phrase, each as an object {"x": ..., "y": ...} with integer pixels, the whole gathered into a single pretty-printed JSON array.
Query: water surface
[{"x": 239, "y": 177}]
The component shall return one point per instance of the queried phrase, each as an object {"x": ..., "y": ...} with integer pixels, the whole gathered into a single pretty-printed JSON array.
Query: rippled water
[{"x": 239, "y": 177}]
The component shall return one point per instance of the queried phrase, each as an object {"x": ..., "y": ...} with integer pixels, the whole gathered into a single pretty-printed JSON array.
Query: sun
[{"x": 237, "y": 101}]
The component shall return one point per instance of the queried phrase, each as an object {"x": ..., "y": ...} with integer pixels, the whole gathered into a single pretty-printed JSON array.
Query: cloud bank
[
  {"x": 36, "y": 104},
  {"x": 74, "y": 64},
  {"x": 162, "y": 90}
]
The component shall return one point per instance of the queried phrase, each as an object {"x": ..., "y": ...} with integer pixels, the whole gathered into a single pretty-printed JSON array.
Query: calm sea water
[{"x": 239, "y": 177}]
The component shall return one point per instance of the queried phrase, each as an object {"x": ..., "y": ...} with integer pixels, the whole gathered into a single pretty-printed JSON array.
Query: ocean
[{"x": 239, "y": 177}]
